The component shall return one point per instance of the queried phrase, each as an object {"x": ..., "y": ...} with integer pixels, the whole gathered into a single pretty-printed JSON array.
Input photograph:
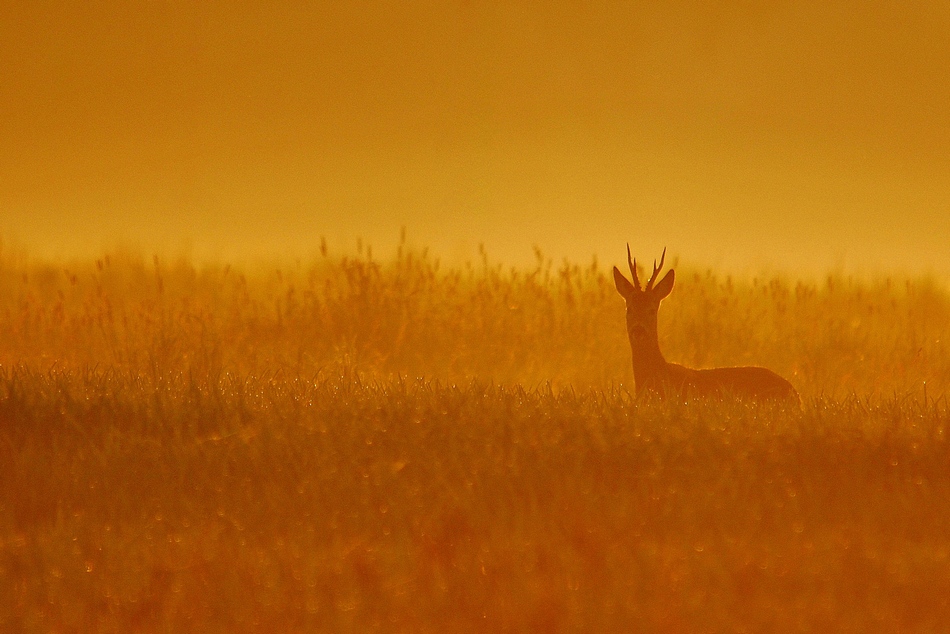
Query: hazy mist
[{"x": 788, "y": 135}]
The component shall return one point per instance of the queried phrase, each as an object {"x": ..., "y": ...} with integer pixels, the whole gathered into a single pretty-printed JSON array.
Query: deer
[{"x": 652, "y": 373}]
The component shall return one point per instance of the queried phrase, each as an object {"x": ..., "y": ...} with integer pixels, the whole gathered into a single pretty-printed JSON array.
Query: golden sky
[{"x": 797, "y": 135}]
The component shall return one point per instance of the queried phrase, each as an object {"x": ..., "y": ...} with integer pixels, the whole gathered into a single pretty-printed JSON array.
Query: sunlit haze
[{"x": 798, "y": 136}]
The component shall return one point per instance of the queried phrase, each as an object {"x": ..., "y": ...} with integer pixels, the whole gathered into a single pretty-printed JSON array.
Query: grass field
[{"x": 350, "y": 445}]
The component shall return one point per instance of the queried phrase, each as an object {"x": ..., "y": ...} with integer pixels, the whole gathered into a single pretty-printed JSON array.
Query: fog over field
[{"x": 789, "y": 136}]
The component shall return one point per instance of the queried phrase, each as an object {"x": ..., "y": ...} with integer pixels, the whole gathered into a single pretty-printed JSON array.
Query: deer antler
[
  {"x": 656, "y": 270},
  {"x": 633, "y": 268}
]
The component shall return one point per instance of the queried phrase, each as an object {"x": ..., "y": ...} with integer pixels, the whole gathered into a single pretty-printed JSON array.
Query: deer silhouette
[{"x": 653, "y": 373}]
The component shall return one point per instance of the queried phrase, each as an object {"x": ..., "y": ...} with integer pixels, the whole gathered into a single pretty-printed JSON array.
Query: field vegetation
[{"x": 356, "y": 444}]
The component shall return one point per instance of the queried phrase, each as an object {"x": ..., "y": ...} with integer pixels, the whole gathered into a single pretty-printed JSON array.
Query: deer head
[{"x": 643, "y": 303}]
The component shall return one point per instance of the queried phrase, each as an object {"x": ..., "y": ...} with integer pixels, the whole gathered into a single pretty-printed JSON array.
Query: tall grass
[
  {"x": 352, "y": 444},
  {"x": 410, "y": 316}
]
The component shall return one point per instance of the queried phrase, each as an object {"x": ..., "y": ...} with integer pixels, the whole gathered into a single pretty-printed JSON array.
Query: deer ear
[
  {"x": 624, "y": 287},
  {"x": 665, "y": 286}
]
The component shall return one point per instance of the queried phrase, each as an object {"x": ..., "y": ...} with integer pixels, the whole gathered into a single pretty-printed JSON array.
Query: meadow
[{"x": 354, "y": 443}]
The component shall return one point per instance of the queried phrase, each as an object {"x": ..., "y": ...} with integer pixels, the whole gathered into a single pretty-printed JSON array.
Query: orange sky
[{"x": 745, "y": 134}]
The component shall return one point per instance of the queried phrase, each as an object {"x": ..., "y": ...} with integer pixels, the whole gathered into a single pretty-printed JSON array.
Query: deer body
[{"x": 652, "y": 373}]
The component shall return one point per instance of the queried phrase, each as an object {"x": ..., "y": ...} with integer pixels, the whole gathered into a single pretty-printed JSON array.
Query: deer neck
[{"x": 648, "y": 361}]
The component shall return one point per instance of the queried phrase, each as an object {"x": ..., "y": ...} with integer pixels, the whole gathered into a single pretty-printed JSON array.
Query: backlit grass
[{"x": 353, "y": 445}]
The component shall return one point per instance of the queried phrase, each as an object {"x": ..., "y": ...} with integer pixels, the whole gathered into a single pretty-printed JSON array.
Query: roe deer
[{"x": 651, "y": 372}]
